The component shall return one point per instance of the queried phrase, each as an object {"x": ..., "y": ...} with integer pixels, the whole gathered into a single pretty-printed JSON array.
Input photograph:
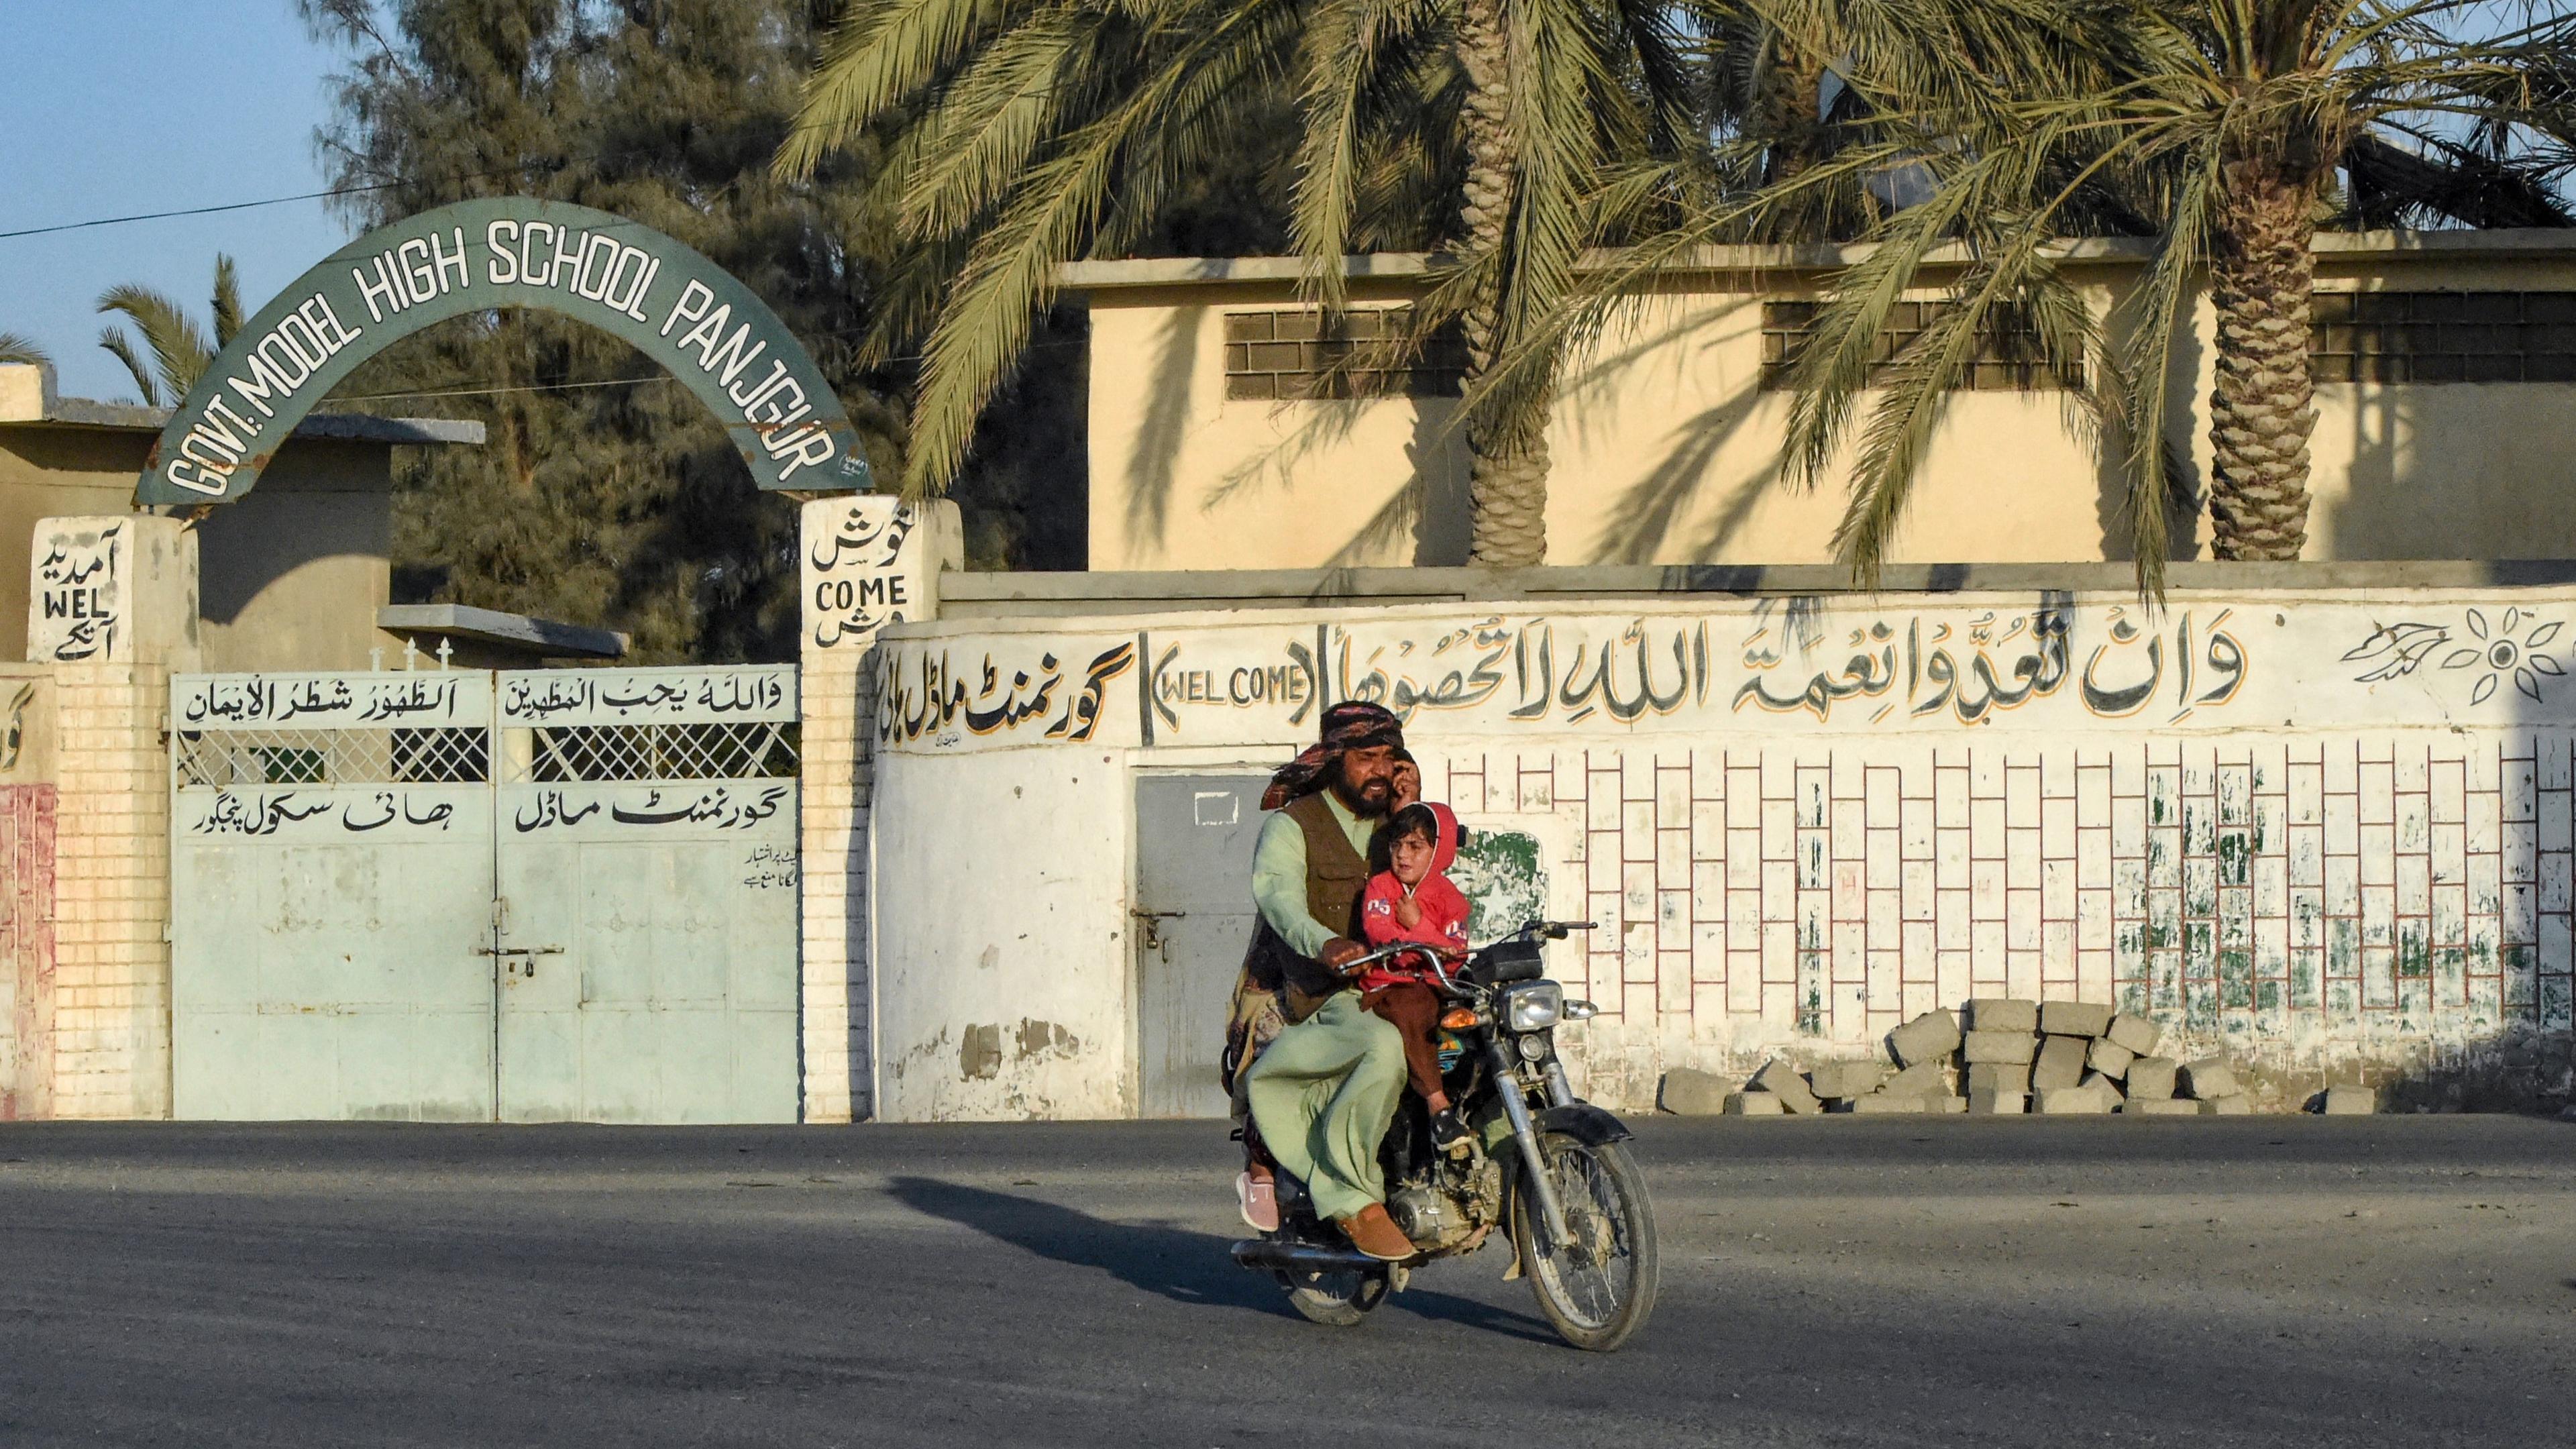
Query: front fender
[{"x": 1592, "y": 1126}]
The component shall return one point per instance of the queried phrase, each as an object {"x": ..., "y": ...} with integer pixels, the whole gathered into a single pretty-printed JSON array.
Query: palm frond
[
  {"x": 227, "y": 301},
  {"x": 1008, "y": 275},
  {"x": 179, "y": 350},
  {"x": 147, "y": 384},
  {"x": 878, "y": 56},
  {"x": 18, "y": 348}
]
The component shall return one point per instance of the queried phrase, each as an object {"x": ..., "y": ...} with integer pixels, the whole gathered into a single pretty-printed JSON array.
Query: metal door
[
  {"x": 331, "y": 875},
  {"x": 646, "y": 888},
  {"x": 1193, "y": 916}
]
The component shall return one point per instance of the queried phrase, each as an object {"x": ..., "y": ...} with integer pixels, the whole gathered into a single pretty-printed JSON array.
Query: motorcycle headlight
[{"x": 1534, "y": 1006}]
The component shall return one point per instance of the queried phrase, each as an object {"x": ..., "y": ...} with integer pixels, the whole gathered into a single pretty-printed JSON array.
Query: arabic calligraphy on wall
[
  {"x": 731, "y": 807},
  {"x": 772, "y": 867},
  {"x": 424, "y": 699},
  {"x": 1770, "y": 665},
  {"x": 921, "y": 696},
  {"x": 78, "y": 606},
  {"x": 338, "y": 813},
  {"x": 864, "y": 567},
  {"x": 1950, "y": 670},
  {"x": 567, "y": 697},
  {"x": 344, "y": 811}
]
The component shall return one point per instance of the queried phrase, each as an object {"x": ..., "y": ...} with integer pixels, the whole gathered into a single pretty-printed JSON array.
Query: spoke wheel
[
  {"x": 1598, "y": 1287},
  {"x": 1338, "y": 1299}
]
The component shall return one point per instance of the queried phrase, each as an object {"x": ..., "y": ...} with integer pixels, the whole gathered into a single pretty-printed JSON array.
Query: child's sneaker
[
  {"x": 1449, "y": 1134},
  {"x": 1260, "y": 1201}
]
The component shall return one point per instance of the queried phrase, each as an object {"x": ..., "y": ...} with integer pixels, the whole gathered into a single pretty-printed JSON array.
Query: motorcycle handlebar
[
  {"x": 1392, "y": 949},
  {"x": 1551, "y": 930}
]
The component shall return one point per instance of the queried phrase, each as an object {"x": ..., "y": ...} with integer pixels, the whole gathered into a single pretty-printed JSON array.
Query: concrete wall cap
[
  {"x": 82, "y": 412},
  {"x": 983, "y": 601},
  {"x": 1106, "y": 276},
  {"x": 548, "y": 637}
]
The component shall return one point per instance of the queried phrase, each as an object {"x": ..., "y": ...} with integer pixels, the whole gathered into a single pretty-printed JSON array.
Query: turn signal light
[{"x": 1458, "y": 1018}]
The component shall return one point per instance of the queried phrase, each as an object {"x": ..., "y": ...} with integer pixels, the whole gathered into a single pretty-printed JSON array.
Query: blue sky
[{"x": 114, "y": 107}]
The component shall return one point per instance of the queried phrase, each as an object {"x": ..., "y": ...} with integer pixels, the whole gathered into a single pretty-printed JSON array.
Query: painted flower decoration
[{"x": 2504, "y": 656}]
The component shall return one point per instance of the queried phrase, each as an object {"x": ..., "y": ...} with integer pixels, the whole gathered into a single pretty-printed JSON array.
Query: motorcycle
[{"x": 1541, "y": 1166}]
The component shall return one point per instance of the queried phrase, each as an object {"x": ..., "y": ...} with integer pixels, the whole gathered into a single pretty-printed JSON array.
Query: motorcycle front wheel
[
  {"x": 1335, "y": 1300},
  {"x": 1598, "y": 1287}
]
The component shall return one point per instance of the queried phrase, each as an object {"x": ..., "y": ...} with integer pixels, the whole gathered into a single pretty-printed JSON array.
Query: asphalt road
[{"x": 1866, "y": 1281}]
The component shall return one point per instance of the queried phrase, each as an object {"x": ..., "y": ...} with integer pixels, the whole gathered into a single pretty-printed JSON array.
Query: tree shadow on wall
[
  {"x": 1645, "y": 516},
  {"x": 2521, "y": 1069},
  {"x": 1158, "y": 1258},
  {"x": 1151, "y": 478},
  {"x": 1430, "y": 506},
  {"x": 1640, "y": 526},
  {"x": 2186, "y": 495}
]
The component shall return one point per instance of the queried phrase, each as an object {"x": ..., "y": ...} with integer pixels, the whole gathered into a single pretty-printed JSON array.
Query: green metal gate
[{"x": 531, "y": 896}]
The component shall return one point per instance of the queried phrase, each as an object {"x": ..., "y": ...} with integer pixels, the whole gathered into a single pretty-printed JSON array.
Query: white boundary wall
[
  {"x": 2328, "y": 831},
  {"x": 868, "y": 561}
]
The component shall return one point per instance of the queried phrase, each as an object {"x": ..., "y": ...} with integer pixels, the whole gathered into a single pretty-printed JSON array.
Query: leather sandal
[{"x": 1374, "y": 1233}]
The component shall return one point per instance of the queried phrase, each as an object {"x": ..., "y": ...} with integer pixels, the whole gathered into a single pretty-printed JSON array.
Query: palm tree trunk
[
  {"x": 1507, "y": 457},
  {"x": 2261, "y": 409},
  {"x": 1787, "y": 115}
]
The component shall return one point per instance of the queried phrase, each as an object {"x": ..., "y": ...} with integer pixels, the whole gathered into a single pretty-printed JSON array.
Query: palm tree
[
  {"x": 2226, "y": 131},
  {"x": 1027, "y": 135},
  {"x": 180, "y": 353},
  {"x": 17, "y": 348}
]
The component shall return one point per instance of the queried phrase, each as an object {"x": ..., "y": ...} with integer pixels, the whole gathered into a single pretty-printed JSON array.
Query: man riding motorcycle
[{"x": 1323, "y": 1090}]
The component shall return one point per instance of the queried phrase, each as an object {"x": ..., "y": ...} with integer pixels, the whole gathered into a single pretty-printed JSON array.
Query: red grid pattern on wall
[
  {"x": 2239, "y": 887},
  {"x": 27, "y": 949}
]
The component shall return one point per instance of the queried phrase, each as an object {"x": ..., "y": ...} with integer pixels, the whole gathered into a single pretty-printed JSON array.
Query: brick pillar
[
  {"x": 112, "y": 893},
  {"x": 869, "y": 561},
  {"x": 27, "y": 817},
  {"x": 113, "y": 608}
]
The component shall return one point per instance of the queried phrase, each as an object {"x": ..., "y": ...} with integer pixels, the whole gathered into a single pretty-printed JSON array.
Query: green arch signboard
[{"x": 679, "y": 309}]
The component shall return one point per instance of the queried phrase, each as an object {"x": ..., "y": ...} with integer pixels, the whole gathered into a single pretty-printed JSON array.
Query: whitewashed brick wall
[
  {"x": 835, "y": 901},
  {"x": 2327, "y": 833},
  {"x": 869, "y": 561}
]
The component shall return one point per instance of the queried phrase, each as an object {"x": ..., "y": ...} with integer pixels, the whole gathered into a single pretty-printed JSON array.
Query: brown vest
[{"x": 1336, "y": 877}]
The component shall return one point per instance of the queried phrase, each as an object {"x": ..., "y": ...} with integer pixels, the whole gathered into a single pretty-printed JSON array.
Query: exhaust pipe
[{"x": 1287, "y": 1257}]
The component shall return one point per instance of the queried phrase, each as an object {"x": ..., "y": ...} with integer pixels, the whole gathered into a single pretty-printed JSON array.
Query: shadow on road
[{"x": 1174, "y": 1263}]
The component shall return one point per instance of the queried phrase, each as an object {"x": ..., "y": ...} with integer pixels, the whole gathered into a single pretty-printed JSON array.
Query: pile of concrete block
[{"x": 2012, "y": 1056}]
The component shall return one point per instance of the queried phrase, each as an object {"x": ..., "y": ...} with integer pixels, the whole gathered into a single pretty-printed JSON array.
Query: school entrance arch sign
[{"x": 626, "y": 279}]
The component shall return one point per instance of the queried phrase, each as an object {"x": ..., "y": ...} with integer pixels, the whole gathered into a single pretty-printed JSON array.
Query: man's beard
[{"x": 1370, "y": 800}]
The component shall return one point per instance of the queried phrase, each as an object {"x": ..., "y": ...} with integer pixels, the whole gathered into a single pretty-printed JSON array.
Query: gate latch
[
  {"x": 1152, "y": 939},
  {"x": 526, "y": 969}
]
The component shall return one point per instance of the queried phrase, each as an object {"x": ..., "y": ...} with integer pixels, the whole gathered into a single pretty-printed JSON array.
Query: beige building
[
  {"x": 296, "y": 576},
  {"x": 2447, "y": 380}
]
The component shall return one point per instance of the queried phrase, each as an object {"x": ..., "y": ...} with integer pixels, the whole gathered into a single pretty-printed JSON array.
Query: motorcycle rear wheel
[
  {"x": 1335, "y": 1300},
  {"x": 1599, "y": 1288}
]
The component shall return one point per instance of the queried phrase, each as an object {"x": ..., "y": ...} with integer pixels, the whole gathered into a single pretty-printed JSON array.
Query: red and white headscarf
[{"x": 1350, "y": 725}]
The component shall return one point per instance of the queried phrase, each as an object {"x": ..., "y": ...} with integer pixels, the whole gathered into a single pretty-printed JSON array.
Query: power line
[
  {"x": 519, "y": 387},
  {"x": 604, "y": 382},
  {"x": 554, "y": 163},
  {"x": 194, "y": 210}
]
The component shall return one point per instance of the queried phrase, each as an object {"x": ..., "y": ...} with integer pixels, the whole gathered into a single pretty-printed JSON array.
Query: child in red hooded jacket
[{"x": 1411, "y": 899}]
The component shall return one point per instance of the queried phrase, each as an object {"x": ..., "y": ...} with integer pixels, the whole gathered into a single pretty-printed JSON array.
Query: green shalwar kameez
[{"x": 1325, "y": 1089}]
